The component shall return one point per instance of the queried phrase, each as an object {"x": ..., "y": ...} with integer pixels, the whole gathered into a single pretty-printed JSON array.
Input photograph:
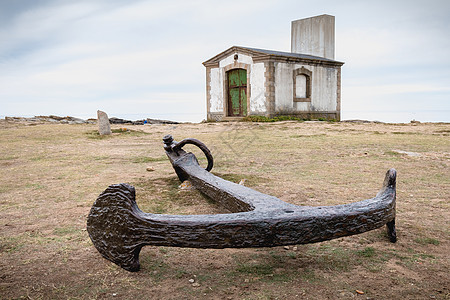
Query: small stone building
[{"x": 305, "y": 82}]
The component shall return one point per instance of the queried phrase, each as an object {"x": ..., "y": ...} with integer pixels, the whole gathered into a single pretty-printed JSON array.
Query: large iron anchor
[{"x": 119, "y": 229}]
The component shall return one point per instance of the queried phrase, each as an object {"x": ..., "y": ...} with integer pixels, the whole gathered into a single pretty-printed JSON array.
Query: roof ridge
[{"x": 275, "y": 54}]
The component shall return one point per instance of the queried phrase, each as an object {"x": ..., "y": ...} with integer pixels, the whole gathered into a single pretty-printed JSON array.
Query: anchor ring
[{"x": 200, "y": 145}]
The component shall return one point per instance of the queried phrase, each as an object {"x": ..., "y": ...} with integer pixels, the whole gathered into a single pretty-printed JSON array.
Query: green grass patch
[
  {"x": 281, "y": 277},
  {"x": 366, "y": 252},
  {"x": 181, "y": 273},
  {"x": 11, "y": 244},
  {"x": 129, "y": 132},
  {"x": 258, "y": 269},
  {"x": 274, "y": 119},
  {"x": 155, "y": 267},
  {"x": 392, "y": 153},
  {"x": 146, "y": 159},
  {"x": 427, "y": 241},
  {"x": 307, "y": 135},
  {"x": 9, "y": 158},
  {"x": 308, "y": 275},
  {"x": 423, "y": 256},
  {"x": 282, "y": 118},
  {"x": 4, "y": 189},
  {"x": 37, "y": 158},
  {"x": 250, "y": 180},
  {"x": 162, "y": 195},
  {"x": 329, "y": 257},
  {"x": 35, "y": 186},
  {"x": 94, "y": 134},
  {"x": 274, "y": 266},
  {"x": 101, "y": 157},
  {"x": 291, "y": 255},
  {"x": 410, "y": 258},
  {"x": 404, "y": 132},
  {"x": 63, "y": 231},
  {"x": 120, "y": 130}
]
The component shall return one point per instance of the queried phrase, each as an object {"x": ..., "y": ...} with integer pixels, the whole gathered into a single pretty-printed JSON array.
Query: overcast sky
[{"x": 141, "y": 59}]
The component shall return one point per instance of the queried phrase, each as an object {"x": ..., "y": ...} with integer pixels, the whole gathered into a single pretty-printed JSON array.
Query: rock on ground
[{"x": 104, "y": 128}]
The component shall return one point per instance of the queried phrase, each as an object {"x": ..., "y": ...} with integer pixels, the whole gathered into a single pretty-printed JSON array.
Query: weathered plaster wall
[
  {"x": 284, "y": 87},
  {"x": 218, "y": 83},
  {"x": 323, "y": 93},
  {"x": 257, "y": 99},
  {"x": 314, "y": 36},
  {"x": 324, "y": 88},
  {"x": 216, "y": 91},
  {"x": 242, "y": 58}
]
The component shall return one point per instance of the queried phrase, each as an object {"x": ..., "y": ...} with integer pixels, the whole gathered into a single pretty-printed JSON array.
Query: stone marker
[{"x": 104, "y": 128}]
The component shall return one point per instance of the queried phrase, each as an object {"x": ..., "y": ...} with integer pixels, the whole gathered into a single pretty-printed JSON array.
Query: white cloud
[{"x": 75, "y": 57}]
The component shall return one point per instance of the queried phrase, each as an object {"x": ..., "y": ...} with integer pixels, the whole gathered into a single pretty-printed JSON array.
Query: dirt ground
[{"x": 50, "y": 174}]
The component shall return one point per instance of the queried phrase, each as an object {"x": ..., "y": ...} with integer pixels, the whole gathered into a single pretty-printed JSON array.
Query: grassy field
[{"x": 51, "y": 174}]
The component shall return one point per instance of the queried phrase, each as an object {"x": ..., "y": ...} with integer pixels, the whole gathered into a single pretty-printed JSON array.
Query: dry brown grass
[{"x": 51, "y": 174}]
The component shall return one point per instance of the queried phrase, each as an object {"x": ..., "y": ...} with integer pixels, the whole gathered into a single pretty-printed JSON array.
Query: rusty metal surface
[{"x": 119, "y": 229}]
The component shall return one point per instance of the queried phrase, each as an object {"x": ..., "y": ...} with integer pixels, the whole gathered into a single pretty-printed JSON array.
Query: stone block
[{"x": 104, "y": 128}]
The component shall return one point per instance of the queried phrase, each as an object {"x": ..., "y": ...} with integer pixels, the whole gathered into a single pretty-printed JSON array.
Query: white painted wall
[
  {"x": 216, "y": 92},
  {"x": 323, "y": 88},
  {"x": 284, "y": 87},
  {"x": 257, "y": 91},
  {"x": 242, "y": 58}
]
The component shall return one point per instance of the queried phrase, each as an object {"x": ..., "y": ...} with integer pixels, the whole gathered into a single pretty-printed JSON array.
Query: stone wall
[{"x": 325, "y": 90}]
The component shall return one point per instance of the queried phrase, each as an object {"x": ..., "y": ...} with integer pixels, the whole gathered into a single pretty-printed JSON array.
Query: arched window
[{"x": 302, "y": 85}]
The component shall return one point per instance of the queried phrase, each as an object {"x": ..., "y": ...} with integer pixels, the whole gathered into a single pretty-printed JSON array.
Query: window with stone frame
[{"x": 302, "y": 85}]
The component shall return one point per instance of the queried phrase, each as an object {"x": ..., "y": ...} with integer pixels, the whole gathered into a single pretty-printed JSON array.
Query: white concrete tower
[{"x": 313, "y": 36}]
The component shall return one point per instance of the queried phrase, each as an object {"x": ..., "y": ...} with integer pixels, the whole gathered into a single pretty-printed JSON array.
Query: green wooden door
[{"x": 237, "y": 92}]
